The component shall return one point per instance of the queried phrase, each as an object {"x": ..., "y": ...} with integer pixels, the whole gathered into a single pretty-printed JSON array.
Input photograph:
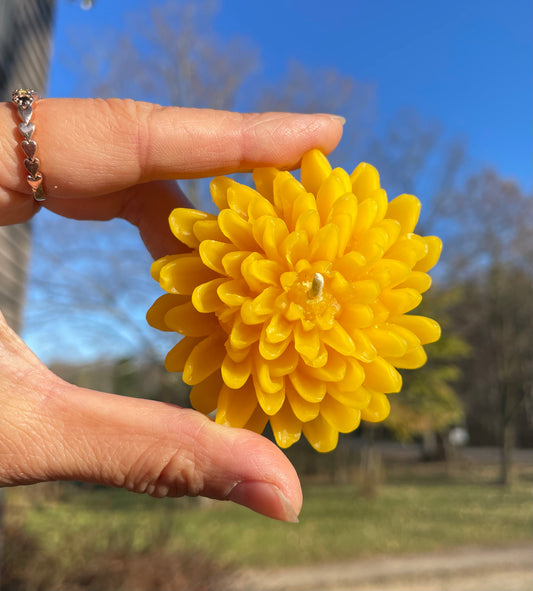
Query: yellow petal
[
  {"x": 338, "y": 339},
  {"x": 287, "y": 190},
  {"x": 353, "y": 377},
  {"x": 264, "y": 181},
  {"x": 219, "y": 188},
  {"x": 263, "y": 379},
  {"x": 269, "y": 350},
  {"x": 334, "y": 370},
  {"x": 157, "y": 265},
  {"x": 356, "y": 316},
  {"x": 358, "y": 398},
  {"x": 365, "y": 180},
  {"x": 307, "y": 387},
  {"x": 410, "y": 249},
  {"x": 389, "y": 272},
  {"x": 260, "y": 206},
  {"x": 184, "y": 273},
  {"x": 350, "y": 265},
  {"x": 258, "y": 421},
  {"x": 366, "y": 216},
  {"x": 308, "y": 222},
  {"x": 411, "y": 360},
  {"x": 243, "y": 335},
  {"x": 295, "y": 247},
  {"x": 306, "y": 343},
  {"x": 238, "y": 230},
  {"x": 212, "y": 253},
  {"x": 182, "y": 221},
  {"x": 233, "y": 292},
  {"x": 270, "y": 402},
  {"x": 234, "y": 374},
  {"x": 325, "y": 243},
  {"x": 205, "y": 358},
  {"x": 417, "y": 280},
  {"x": 286, "y": 427},
  {"x": 232, "y": 263},
  {"x": 381, "y": 376},
  {"x": 334, "y": 186},
  {"x": 259, "y": 273},
  {"x": 426, "y": 329},
  {"x": 364, "y": 349},
  {"x": 156, "y": 314},
  {"x": 186, "y": 320},
  {"x": 204, "y": 396},
  {"x": 239, "y": 198},
  {"x": 342, "y": 418},
  {"x": 405, "y": 209},
  {"x": 205, "y": 298},
  {"x": 378, "y": 408},
  {"x": 285, "y": 364},
  {"x": 434, "y": 248},
  {"x": 387, "y": 342},
  {"x": 278, "y": 329},
  {"x": 320, "y": 434},
  {"x": 177, "y": 356},
  {"x": 235, "y": 407},
  {"x": 270, "y": 232},
  {"x": 315, "y": 170},
  {"x": 400, "y": 300},
  {"x": 303, "y": 409},
  {"x": 208, "y": 230}
]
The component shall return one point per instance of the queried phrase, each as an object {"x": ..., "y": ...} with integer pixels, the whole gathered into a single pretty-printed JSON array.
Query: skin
[{"x": 102, "y": 159}]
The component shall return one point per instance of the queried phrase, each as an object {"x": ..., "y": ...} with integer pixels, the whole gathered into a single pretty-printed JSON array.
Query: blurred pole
[{"x": 25, "y": 39}]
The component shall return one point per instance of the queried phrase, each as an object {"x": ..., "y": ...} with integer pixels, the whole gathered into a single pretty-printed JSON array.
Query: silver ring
[{"x": 23, "y": 99}]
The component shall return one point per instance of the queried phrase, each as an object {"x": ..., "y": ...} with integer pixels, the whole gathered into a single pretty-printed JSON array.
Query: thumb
[
  {"x": 163, "y": 450},
  {"x": 52, "y": 430}
]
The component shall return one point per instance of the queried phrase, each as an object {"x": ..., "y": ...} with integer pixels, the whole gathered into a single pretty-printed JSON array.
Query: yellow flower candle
[{"x": 293, "y": 300}]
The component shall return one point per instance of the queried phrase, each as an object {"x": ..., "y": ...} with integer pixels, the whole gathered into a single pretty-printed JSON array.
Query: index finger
[{"x": 91, "y": 147}]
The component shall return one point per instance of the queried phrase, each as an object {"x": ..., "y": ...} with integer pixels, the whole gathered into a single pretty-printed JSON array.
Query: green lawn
[{"x": 336, "y": 523}]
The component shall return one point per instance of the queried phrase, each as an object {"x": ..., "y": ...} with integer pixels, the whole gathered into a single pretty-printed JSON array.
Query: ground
[{"x": 464, "y": 569}]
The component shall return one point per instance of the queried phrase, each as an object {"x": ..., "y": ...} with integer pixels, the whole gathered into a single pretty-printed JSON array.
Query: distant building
[{"x": 25, "y": 35}]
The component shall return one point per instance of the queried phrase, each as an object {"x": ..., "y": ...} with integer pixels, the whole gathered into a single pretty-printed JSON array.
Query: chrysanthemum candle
[{"x": 293, "y": 300}]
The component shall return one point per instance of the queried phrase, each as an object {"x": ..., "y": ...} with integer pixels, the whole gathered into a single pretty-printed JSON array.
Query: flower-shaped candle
[{"x": 293, "y": 300}]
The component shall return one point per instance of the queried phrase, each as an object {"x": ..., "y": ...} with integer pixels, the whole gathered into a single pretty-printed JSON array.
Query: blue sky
[{"x": 466, "y": 63}]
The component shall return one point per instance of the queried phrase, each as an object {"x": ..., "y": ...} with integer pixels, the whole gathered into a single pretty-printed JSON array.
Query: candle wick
[{"x": 317, "y": 286}]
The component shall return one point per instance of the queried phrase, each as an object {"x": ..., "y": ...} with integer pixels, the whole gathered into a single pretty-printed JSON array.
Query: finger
[
  {"x": 92, "y": 147},
  {"x": 51, "y": 430}
]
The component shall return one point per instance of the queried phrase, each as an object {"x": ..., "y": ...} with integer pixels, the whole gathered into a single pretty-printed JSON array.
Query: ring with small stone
[{"x": 23, "y": 99}]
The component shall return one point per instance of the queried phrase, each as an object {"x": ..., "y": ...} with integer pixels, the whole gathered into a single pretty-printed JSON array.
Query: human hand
[{"x": 105, "y": 159}]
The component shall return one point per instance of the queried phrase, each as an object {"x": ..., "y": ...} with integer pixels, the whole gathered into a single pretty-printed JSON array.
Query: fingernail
[
  {"x": 264, "y": 498},
  {"x": 339, "y": 118}
]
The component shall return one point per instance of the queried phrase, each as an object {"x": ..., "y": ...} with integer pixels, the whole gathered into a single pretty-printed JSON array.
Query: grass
[{"x": 337, "y": 523}]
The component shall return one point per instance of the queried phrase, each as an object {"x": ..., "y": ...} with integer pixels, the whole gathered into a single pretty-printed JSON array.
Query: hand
[{"x": 110, "y": 158}]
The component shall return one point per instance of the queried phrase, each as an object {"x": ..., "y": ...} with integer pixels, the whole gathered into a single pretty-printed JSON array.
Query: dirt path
[{"x": 464, "y": 569}]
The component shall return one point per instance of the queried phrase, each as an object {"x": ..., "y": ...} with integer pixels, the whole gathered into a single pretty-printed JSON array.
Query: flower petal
[
  {"x": 434, "y": 248},
  {"x": 405, "y": 209},
  {"x": 237, "y": 230},
  {"x": 156, "y": 314},
  {"x": 264, "y": 181},
  {"x": 235, "y": 407},
  {"x": 303, "y": 409},
  {"x": 358, "y": 398},
  {"x": 400, "y": 300},
  {"x": 204, "y": 396},
  {"x": 181, "y": 222},
  {"x": 381, "y": 376},
  {"x": 212, "y": 252},
  {"x": 286, "y": 427},
  {"x": 184, "y": 273},
  {"x": 378, "y": 408},
  {"x": 413, "y": 359},
  {"x": 186, "y": 320},
  {"x": 426, "y": 329},
  {"x": 204, "y": 359},
  {"x": 320, "y": 434},
  {"x": 205, "y": 297},
  {"x": 177, "y": 356},
  {"x": 315, "y": 169},
  {"x": 307, "y": 387},
  {"x": 236, "y": 374},
  {"x": 365, "y": 180},
  {"x": 339, "y": 416},
  {"x": 338, "y": 339}
]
